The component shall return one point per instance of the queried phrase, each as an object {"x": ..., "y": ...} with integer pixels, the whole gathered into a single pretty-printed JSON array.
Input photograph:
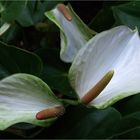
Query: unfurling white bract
[
  {"x": 74, "y": 33},
  {"x": 117, "y": 49}
]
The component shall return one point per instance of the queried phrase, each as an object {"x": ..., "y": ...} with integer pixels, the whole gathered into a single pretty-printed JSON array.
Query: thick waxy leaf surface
[
  {"x": 127, "y": 125},
  {"x": 22, "y": 96},
  {"x": 26, "y": 12},
  {"x": 15, "y": 60},
  {"x": 127, "y": 14},
  {"x": 55, "y": 72},
  {"x": 34, "y": 12},
  {"x": 103, "y": 20},
  {"x": 116, "y": 49},
  {"x": 11, "y": 10},
  {"x": 74, "y": 34},
  {"x": 128, "y": 105},
  {"x": 80, "y": 122}
]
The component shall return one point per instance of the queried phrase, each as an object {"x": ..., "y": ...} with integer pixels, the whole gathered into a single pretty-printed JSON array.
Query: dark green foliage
[
  {"x": 40, "y": 43},
  {"x": 127, "y": 14},
  {"x": 82, "y": 122},
  {"x": 15, "y": 60}
]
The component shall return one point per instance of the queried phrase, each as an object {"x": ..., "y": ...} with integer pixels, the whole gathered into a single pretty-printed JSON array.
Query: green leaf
[
  {"x": 25, "y": 19},
  {"x": 27, "y": 13},
  {"x": 15, "y": 60},
  {"x": 24, "y": 130},
  {"x": 131, "y": 134},
  {"x": 103, "y": 20},
  {"x": 55, "y": 72},
  {"x": 128, "y": 127},
  {"x": 127, "y": 14},
  {"x": 12, "y": 35},
  {"x": 13, "y": 10},
  {"x": 1, "y": 7},
  {"x": 74, "y": 34},
  {"x": 127, "y": 124},
  {"x": 58, "y": 81},
  {"x": 80, "y": 122},
  {"x": 129, "y": 105},
  {"x": 22, "y": 96}
]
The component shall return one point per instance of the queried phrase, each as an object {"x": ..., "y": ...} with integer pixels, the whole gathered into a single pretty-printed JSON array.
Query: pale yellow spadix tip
[{"x": 97, "y": 89}]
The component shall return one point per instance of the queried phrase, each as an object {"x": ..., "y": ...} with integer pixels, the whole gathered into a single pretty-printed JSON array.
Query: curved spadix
[{"x": 117, "y": 49}]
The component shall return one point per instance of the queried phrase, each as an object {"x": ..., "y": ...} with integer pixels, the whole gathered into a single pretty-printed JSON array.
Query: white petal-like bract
[
  {"x": 22, "y": 96},
  {"x": 117, "y": 49},
  {"x": 74, "y": 34}
]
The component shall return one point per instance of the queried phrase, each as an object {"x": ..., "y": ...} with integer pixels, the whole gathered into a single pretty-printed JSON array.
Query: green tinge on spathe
[
  {"x": 117, "y": 49},
  {"x": 22, "y": 96},
  {"x": 74, "y": 34}
]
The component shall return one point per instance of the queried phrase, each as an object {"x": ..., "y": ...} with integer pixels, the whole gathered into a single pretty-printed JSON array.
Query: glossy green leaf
[
  {"x": 12, "y": 34},
  {"x": 127, "y": 124},
  {"x": 25, "y": 19},
  {"x": 55, "y": 72},
  {"x": 1, "y": 7},
  {"x": 32, "y": 14},
  {"x": 24, "y": 130},
  {"x": 58, "y": 81},
  {"x": 131, "y": 134},
  {"x": 129, "y": 105},
  {"x": 22, "y": 96},
  {"x": 80, "y": 122},
  {"x": 103, "y": 20},
  {"x": 15, "y": 60},
  {"x": 13, "y": 10},
  {"x": 26, "y": 12},
  {"x": 127, "y": 14}
]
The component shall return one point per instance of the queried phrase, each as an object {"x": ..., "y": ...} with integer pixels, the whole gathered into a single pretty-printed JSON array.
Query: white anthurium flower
[
  {"x": 22, "y": 96},
  {"x": 74, "y": 33},
  {"x": 108, "y": 64}
]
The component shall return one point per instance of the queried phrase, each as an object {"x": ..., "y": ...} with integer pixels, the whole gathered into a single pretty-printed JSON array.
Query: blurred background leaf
[
  {"x": 129, "y": 105},
  {"x": 12, "y": 10},
  {"x": 127, "y": 14},
  {"x": 25, "y": 12},
  {"x": 104, "y": 19},
  {"x": 15, "y": 60},
  {"x": 55, "y": 72}
]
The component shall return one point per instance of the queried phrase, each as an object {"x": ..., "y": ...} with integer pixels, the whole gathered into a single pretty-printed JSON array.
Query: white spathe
[
  {"x": 117, "y": 49},
  {"x": 22, "y": 96},
  {"x": 74, "y": 34}
]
